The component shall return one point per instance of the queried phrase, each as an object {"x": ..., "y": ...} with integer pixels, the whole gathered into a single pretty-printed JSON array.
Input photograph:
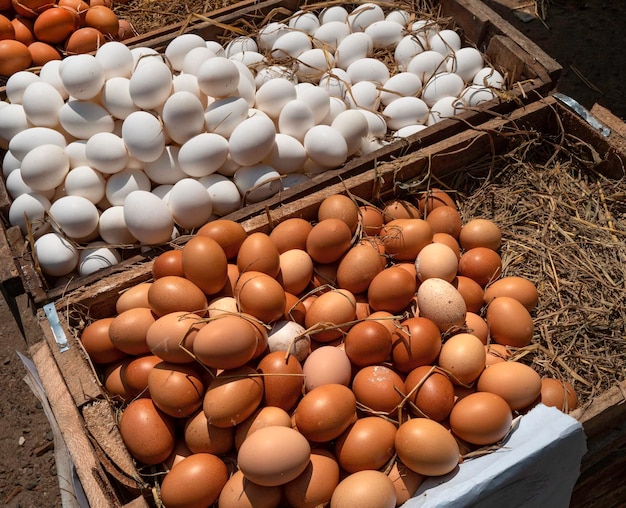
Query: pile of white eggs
[{"x": 129, "y": 147}]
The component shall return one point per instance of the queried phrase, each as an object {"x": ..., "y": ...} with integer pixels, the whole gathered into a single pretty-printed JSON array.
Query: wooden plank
[{"x": 89, "y": 470}]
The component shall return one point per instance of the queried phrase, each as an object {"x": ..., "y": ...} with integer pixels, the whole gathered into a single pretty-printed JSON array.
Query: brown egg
[
  {"x": 520, "y": 288},
  {"x": 97, "y": 343},
  {"x": 325, "y": 412},
  {"x": 400, "y": 209},
  {"x": 436, "y": 260},
  {"x": 481, "y": 418},
  {"x": 205, "y": 264},
  {"x": 102, "y": 18},
  {"x": 31, "y": 8},
  {"x": 515, "y": 382},
  {"x": 448, "y": 240},
  {"x": 327, "y": 364},
  {"x": 195, "y": 481},
  {"x": 367, "y": 488},
  {"x": 79, "y": 7},
  {"x": 463, "y": 356},
  {"x": 328, "y": 312},
  {"x": 296, "y": 270},
  {"x": 55, "y": 25},
  {"x": 368, "y": 343},
  {"x": 43, "y": 53},
  {"x": 274, "y": 455},
  {"x": 176, "y": 389},
  {"x": 14, "y": 57},
  {"x": 169, "y": 262},
  {"x": 558, "y": 394},
  {"x": 126, "y": 31},
  {"x": 84, "y": 40},
  {"x": 328, "y": 240},
  {"x": 259, "y": 254},
  {"x": 171, "y": 294},
  {"x": 366, "y": 444},
  {"x": 239, "y": 491},
  {"x": 385, "y": 318},
  {"x": 128, "y": 331},
  {"x": 261, "y": 296},
  {"x": 233, "y": 396},
  {"x": 202, "y": 437},
  {"x": 379, "y": 389},
  {"x": 480, "y": 264},
  {"x": 147, "y": 432},
  {"x": 477, "y": 326},
  {"x": 226, "y": 342},
  {"x": 391, "y": 290},
  {"x": 135, "y": 375},
  {"x": 358, "y": 268},
  {"x": 324, "y": 275},
  {"x": 339, "y": 206},
  {"x": 179, "y": 452},
  {"x": 371, "y": 220},
  {"x": 291, "y": 234},
  {"x": 283, "y": 379},
  {"x": 315, "y": 485},
  {"x": 430, "y": 391},
  {"x": 267, "y": 416},
  {"x": 404, "y": 238},
  {"x": 227, "y": 233},
  {"x": 415, "y": 343},
  {"x": 509, "y": 322},
  {"x": 496, "y": 353},
  {"x": 7, "y": 30},
  {"x": 471, "y": 291},
  {"x": 445, "y": 219},
  {"x": 171, "y": 336},
  {"x": 114, "y": 381},
  {"x": 23, "y": 29},
  {"x": 433, "y": 198},
  {"x": 427, "y": 447},
  {"x": 480, "y": 233},
  {"x": 405, "y": 481}
]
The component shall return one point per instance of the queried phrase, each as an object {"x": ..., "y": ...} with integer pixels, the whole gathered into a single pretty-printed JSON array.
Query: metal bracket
[
  {"x": 57, "y": 329},
  {"x": 583, "y": 113}
]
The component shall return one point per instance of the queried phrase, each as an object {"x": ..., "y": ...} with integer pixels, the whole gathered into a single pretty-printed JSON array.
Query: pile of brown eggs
[
  {"x": 339, "y": 361},
  {"x": 33, "y": 32}
]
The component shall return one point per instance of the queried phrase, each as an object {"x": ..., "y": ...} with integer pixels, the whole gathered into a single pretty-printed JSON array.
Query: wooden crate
[
  {"x": 88, "y": 420},
  {"x": 533, "y": 73}
]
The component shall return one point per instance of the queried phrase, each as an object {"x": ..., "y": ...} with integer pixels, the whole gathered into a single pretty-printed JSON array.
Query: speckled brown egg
[
  {"x": 339, "y": 206},
  {"x": 367, "y": 444},
  {"x": 171, "y": 294},
  {"x": 439, "y": 301},
  {"x": 431, "y": 392},
  {"x": 328, "y": 240}
]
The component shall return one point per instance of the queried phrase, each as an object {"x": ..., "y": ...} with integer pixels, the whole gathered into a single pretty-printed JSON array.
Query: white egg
[
  {"x": 364, "y": 15},
  {"x": 55, "y": 255},
  {"x": 86, "y": 182},
  {"x": 475, "y": 95},
  {"x": 296, "y": 118},
  {"x": 223, "y": 115},
  {"x": 15, "y": 185},
  {"x": 82, "y": 118},
  {"x": 116, "y": 59},
  {"x": 445, "y": 42},
  {"x": 76, "y": 152},
  {"x": 82, "y": 76},
  {"x": 371, "y": 145},
  {"x": 353, "y": 47},
  {"x": 274, "y": 71},
  {"x": 239, "y": 44},
  {"x": 273, "y": 95},
  {"x": 163, "y": 191},
  {"x": 28, "y": 211},
  {"x": 330, "y": 34},
  {"x": 294, "y": 179},
  {"x": 377, "y": 125},
  {"x": 257, "y": 183},
  {"x": 96, "y": 256},
  {"x": 202, "y": 154},
  {"x": 188, "y": 83},
  {"x": 229, "y": 168},
  {"x": 408, "y": 47},
  {"x": 17, "y": 83},
  {"x": 337, "y": 106},
  {"x": 399, "y": 16},
  {"x": 112, "y": 227},
  {"x": 466, "y": 62},
  {"x": 178, "y": 48},
  {"x": 446, "y": 107},
  {"x": 251, "y": 59},
  {"x": 9, "y": 163},
  {"x": 444, "y": 84},
  {"x": 409, "y": 130},
  {"x": 24, "y": 141},
  {"x": 42, "y": 103},
  {"x": 150, "y": 84},
  {"x": 44, "y": 167},
  {"x": 49, "y": 73},
  {"x": 189, "y": 203},
  {"x": 247, "y": 85},
  {"x": 489, "y": 77},
  {"x": 403, "y": 84},
  {"x": 368, "y": 69},
  {"x": 289, "y": 336},
  {"x": 353, "y": 126},
  {"x": 75, "y": 216},
  {"x": 336, "y": 82},
  {"x": 121, "y": 184},
  {"x": 333, "y": 13},
  {"x": 165, "y": 169},
  {"x": 288, "y": 154},
  {"x": 405, "y": 111},
  {"x": 252, "y": 140},
  {"x": 216, "y": 47},
  {"x": 183, "y": 116},
  {"x": 306, "y": 21},
  {"x": 426, "y": 64},
  {"x": 143, "y": 135},
  {"x": 269, "y": 33},
  {"x": 116, "y": 98},
  {"x": 385, "y": 34},
  {"x": 425, "y": 27},
  {"x": 218, "y": 77},
  {"x": 312, "y": 64},
  {"x": 318, "y": 100},
  {"x": 142, "y": 54},
  {"x": 195, "y": 58},
  {"x": 364, "y": 95},
  {"x": 148, "y": 218},
  {"x": 12, "y": 120},
  {"x": 326, "y": 146},
  {"x": 223, "y": 192},
  {"x": 291, "y": 44},
  {"x": 106, "y": 152}
]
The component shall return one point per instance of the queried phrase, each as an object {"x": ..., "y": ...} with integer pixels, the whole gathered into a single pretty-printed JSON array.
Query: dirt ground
[{"x": 586, "y": 38}]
